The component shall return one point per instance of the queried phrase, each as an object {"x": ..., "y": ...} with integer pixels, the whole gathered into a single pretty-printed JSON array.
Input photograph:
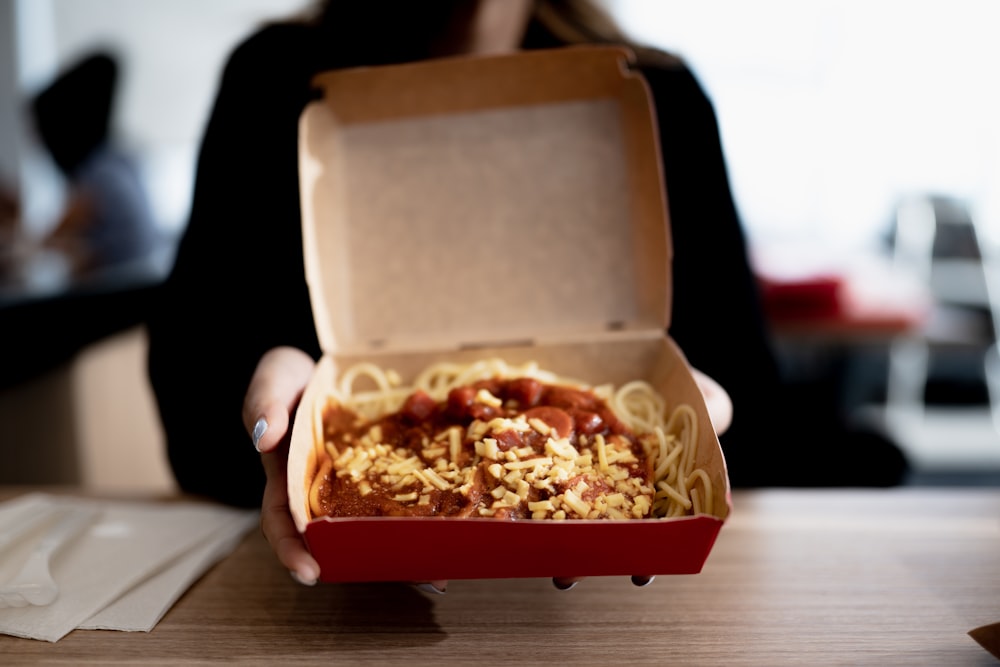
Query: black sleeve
[
  {"x": 237, "y": 287},
  {"x": 780, "y": 435},
  {"x": 717, "y": 318}
]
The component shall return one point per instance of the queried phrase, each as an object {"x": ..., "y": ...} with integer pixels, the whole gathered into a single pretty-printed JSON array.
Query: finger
[
  {"x": 432, "y": 587},
  {"x": 278, "y": 527},
  {"x": 717, "y": 401},
  {"x": 566, "y": 583},
  {"x": 273, "y": 393}
]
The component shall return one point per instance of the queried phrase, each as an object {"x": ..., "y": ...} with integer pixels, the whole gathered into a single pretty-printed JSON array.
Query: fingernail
[
  {"x": 258, "y": 432},
  {"x": 642, "y": 581},
  {"x": 564, "y": 587},
  {"x": 305, "y": 580},
  {"x": 430, "y": 589}
]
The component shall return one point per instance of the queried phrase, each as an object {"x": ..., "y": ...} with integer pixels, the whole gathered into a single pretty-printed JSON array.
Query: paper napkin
[
  {"x": 122, "y": 573},
  {"x": 141, "y": 608}
]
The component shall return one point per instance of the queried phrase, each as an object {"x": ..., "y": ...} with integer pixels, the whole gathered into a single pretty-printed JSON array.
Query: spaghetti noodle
[{"x": 491, "y": 439}]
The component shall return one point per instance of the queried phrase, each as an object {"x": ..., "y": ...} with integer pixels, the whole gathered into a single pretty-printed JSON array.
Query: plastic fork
[{"x": 34, "y": 584}]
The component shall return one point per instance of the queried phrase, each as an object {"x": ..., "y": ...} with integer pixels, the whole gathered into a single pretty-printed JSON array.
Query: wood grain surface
[{"x": 797, "y": 577}]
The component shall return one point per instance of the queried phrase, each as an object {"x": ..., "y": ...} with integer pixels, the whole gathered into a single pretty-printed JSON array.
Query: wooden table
[{"x": 796, "y": 578}]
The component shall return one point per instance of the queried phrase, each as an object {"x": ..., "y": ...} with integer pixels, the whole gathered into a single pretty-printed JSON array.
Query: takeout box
[{"x": 503, "y": 206}]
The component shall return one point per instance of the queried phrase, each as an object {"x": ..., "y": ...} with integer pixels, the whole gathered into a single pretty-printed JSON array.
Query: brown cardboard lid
[{"x": 476, "y": 201}]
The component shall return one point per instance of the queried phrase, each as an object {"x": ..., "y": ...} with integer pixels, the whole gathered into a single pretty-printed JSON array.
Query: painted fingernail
[
  {"x": 430, "y": 589},
  {"x": 303, "y": 579},
  {"x": 564, "y": 586},
  {"x": 642, "y": 581},
  {"x": 259, "y": 429}
]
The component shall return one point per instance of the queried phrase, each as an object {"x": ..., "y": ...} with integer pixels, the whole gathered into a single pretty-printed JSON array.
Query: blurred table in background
[
  {"x": 47, "y": 316},
  {"x": 853, "y": 332},
  {"x": 46, "y": 322},
  {"x": 810, "y": 293},
  {"x": 833, "y": 315}
]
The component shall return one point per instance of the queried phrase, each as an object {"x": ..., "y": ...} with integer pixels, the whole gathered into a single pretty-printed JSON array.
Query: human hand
[
  {"x": 720, "y": 411},
  {"x": 717, "y": 401},
  {"x": 270, "y": 402},
  {"x": 271, "y": 399}
]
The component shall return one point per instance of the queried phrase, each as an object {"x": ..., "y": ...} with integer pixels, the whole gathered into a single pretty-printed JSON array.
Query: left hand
[
  {"x": 720, "y": 411},
  {"x": 268, "y": 409},
  {"x": 270, "y": 401}
]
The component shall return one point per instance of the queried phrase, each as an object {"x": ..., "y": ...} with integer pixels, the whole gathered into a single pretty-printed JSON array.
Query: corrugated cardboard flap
[{"x": 476, "y": 201}]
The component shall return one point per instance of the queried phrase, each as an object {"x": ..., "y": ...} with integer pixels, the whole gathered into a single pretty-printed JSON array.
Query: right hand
[{"x": 717, "y": 401}]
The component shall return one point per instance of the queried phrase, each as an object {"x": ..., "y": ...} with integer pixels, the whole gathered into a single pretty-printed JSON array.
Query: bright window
[{"x": 832, "y": 110}]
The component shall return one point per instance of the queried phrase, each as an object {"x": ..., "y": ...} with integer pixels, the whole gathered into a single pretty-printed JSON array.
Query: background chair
[{"x": 944, "y": 378}]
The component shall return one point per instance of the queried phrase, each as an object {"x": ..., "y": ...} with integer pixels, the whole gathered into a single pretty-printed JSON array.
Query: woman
[{"x": 234, "y": 332}]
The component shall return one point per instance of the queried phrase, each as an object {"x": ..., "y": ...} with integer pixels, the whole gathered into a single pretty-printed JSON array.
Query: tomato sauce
[{"x": 502, "y": 448}]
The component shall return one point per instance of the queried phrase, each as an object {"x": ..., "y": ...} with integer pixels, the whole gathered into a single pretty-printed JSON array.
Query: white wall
[{"x": 831, "y": 109}]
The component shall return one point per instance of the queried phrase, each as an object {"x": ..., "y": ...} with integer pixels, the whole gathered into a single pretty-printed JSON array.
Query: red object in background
[
  {"x": 810, "y": 290},
  {"x": 843, "y": 306},
  {"x": 804, "y": 298}
]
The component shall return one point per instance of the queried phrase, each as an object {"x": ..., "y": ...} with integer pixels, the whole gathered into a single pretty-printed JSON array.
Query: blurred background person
[
  {"x": 107, "y": 221},
  {"x": 9, "y": 231}
]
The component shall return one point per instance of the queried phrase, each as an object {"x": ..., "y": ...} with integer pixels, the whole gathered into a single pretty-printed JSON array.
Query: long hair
[
  {"x": 578, "y": 22},
  {"x": 556, "y": 23}
]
